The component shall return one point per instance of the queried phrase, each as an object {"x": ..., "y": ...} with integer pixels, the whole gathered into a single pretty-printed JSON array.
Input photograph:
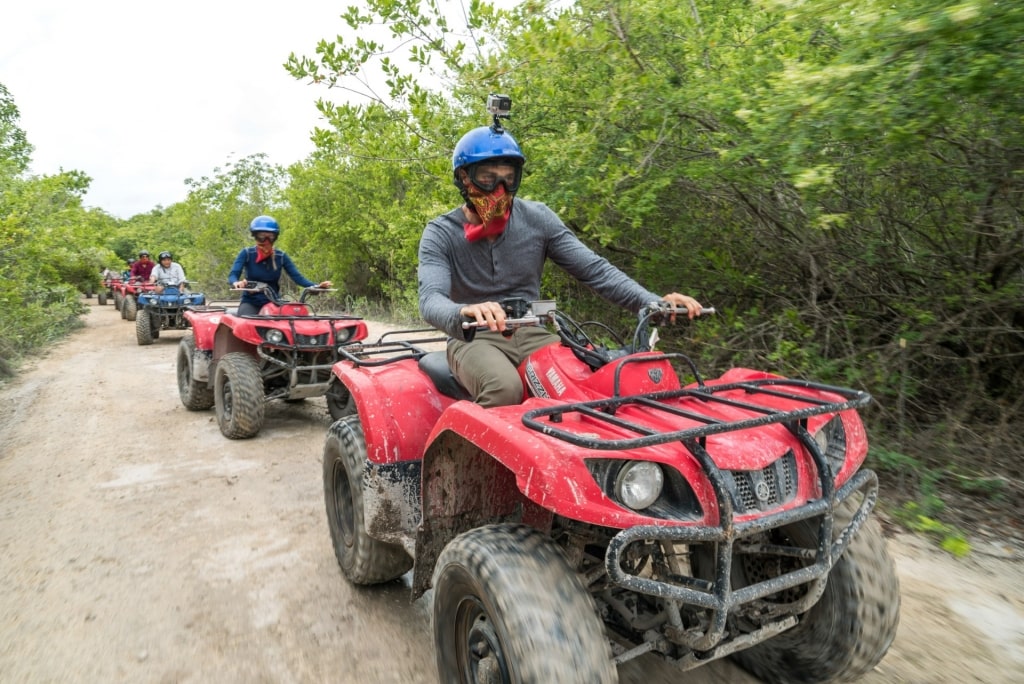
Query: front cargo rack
[
  {"x": 718, "y": 595},
  {"x": 547, "y": 420}
]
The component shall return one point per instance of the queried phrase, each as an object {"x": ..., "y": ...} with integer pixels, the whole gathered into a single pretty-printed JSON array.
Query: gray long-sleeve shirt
[{"x": 454, "y": 272}]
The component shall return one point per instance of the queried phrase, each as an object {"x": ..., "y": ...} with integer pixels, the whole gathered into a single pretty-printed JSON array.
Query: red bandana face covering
[
  {"x": 493, "y": 208},
  {"x": 264, "y": 251}
]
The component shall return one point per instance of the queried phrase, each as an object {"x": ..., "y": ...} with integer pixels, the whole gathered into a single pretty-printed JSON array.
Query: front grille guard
[
  {"x": 717, "y": 595},
  {"x": 264, "y": 348}
]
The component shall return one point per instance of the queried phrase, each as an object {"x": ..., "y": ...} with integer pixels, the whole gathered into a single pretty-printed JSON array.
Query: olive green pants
[{"x": 488, "y": 367}]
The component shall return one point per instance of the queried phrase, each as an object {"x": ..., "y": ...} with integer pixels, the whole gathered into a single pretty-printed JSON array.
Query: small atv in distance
[
  {"x": 615, "y": 512},
  {"x": 129, "y": 297},
  {"x": 118, "y": 288},
  {"x": 108, "y": 289},
  {"x": 239, "y": 363},
  {"x": 164, "y": 310}
]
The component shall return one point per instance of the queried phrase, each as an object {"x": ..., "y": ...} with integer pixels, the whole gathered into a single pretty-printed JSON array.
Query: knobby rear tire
[{"x": 196, "y": 395}]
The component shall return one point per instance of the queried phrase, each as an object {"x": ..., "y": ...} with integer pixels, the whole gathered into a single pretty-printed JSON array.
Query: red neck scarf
[
  {"x": 264, "y": 251},
  {"x": 493, "y": 209}
]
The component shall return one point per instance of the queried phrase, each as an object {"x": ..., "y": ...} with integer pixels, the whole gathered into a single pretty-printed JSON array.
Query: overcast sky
[{"x": 142, "y": 95}]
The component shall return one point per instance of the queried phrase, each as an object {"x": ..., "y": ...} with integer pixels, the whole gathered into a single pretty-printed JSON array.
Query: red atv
[
  {"x": 238, "y": 363},
  {"x": 109, "y": 289},
  {"x": 616, "y": 512},
  {"x": 117, "y": 288},
  {"x": 130, "y": 291}
]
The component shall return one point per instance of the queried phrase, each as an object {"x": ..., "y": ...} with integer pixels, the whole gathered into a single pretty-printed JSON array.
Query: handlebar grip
[
  {"x": 509, "y": 323},
  {"x": 666, "y": 307}
]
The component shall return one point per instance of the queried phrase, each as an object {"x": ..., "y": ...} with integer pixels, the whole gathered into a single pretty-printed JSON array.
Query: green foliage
[
  {"x": 993, "y": 488},
  {"x": 363, "y": 201},
  {"x": 15, "y": 150},
  {"x": 842, "y": 178},
  {"x": 48, "y": 256},
  {"x": 950, "y": 538},
  {"x": 925, "y": 491},
  {"x": 212, "y": 225}
]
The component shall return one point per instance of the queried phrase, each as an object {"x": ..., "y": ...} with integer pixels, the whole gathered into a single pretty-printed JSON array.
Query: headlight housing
[
  {"x": 675, "y": 498},
  {"x": 639, "y": 484},
  {"x": 831, "y": 439},
  {"x": 273, "y": 336}
]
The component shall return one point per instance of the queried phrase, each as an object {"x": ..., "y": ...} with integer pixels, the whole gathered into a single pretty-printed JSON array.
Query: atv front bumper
[{"x": 717, "y": 594}]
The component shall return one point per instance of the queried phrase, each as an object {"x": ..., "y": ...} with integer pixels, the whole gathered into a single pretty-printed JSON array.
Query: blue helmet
[
  {"x": 484, "y": 143},
  {"x": 264, "y": 224}
]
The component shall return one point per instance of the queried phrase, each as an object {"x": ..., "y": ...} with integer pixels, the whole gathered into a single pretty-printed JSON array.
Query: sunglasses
[
  {"x": 487, "y": 177},
  {"x": 264, "y": 238}
]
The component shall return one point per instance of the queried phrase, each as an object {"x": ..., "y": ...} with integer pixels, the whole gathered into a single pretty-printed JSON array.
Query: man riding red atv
[
  {"x": 129, "y": 294},
  {"x": 617, "y": 511},
  {"x": 238, "y": 363}
]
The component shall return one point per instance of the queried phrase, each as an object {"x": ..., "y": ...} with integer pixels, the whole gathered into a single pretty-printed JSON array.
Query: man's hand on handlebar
[
  {"x": 680, "y": 301},
  {"x": 490, "y": 314},
  {"x": 240, "y": 285},
  {"x": 663, "y": 311}
]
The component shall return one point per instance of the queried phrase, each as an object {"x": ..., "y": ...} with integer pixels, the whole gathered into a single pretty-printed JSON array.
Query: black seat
[{"x": 435, "y": 366}]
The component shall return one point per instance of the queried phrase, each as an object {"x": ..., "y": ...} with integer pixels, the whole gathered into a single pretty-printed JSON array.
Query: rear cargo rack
[{"x": 389, "y": 348}]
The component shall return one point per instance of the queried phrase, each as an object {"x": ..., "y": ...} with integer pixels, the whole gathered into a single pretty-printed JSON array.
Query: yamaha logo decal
[{"x": 761, "y": 491}]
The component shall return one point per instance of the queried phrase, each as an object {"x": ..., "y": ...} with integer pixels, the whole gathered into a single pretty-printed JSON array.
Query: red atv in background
[
  {"x": 615, "y": 512},
  {"x": 109, "y": 290},
  {"x": 239, "y": 363},
  {"x": 117, "y": 288},
  {"x": 130, "y": 291}
]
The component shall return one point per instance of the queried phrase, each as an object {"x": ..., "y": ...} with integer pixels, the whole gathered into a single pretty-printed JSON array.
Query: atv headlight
[
  {"x": 639, "y": 484},
  {"x": 274, "y": 336},
  {"x": 831, "y": 439},
  {"x": 343, "y": 335}
]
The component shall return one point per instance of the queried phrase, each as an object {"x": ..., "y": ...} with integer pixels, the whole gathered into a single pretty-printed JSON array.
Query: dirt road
[{"x": 139, "y": 545}]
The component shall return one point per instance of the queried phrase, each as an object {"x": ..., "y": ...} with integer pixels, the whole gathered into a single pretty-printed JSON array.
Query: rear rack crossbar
[{"x": 385, "y": 350}]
